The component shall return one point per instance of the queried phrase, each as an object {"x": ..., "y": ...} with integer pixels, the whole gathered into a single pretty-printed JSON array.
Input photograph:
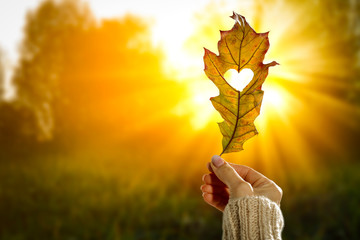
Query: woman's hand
[{"x": 228, "y": 180}]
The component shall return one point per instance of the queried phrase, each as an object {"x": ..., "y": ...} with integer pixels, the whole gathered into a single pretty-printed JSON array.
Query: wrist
[{"x": 243, "y": 189}]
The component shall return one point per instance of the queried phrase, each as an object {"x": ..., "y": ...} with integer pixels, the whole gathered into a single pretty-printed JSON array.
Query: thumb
[{"x": 225, "y": 172}]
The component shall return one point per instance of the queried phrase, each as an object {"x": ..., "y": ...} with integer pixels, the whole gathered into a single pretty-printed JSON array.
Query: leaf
[{"x": 239, "y": 48}]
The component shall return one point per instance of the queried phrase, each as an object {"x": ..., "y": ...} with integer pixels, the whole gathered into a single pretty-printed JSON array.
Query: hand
[{"x": 230, "y": 181}]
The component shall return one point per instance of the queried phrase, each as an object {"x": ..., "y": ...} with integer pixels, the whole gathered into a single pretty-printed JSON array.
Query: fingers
[
  {"x": 215, "y": 192},
  {"x": 216, "y": 201},
  {"x": 238, "y": 187},
  {"x": 250, "y": 175},
  {"x": 227, "y": 180},
  {"x": 209, "y": 167},
  {"x": 225, "y": 172},
  {"x": 212, "y": 179},
  {"x": 205, "y": 188}
]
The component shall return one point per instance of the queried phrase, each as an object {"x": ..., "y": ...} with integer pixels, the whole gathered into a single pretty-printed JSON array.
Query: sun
[{"x": 295, "y": 110}]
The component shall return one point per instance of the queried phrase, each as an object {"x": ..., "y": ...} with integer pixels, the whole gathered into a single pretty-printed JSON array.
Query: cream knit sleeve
[{"x": 252, "y": 218}]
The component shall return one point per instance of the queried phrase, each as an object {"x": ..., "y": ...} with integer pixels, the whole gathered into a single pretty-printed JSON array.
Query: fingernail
[{"x": 217, "y": 161}]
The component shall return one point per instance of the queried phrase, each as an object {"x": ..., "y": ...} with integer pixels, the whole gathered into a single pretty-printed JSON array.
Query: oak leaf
[{"x": 239, "y": 48}]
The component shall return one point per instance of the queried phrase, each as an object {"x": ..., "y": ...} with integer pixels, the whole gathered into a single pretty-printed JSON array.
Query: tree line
[{"x": 78, "y": 77}]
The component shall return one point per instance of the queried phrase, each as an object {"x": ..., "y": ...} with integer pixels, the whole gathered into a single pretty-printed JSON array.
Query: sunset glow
[
  {"x": 106, "y": 123},
  {"x": 291, "y": 90}
]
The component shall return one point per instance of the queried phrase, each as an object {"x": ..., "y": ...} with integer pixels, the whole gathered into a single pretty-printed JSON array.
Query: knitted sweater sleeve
[{"x": 253, "y": 217}]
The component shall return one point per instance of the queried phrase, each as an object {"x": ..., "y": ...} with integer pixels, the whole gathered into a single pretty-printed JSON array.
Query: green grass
[
  {"x": 63, "y": 198},
  {"x": 85, "y": 196},
  {"x": 327, "y": 208}
]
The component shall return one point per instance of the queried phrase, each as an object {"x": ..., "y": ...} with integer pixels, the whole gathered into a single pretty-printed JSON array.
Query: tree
[
  {"x": 37, "y": 76},
  {"x": 82, "y": 78}
]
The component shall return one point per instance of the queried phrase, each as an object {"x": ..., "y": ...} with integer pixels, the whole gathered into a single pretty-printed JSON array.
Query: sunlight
[
  {"x": 197, "y": 105},
  {"x": 294, "y": 103},
  {"x": 276, "y": 96},
  {"x": 298, "y": 93}
]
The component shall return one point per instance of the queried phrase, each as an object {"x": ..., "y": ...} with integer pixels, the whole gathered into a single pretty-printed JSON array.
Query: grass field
[{"x": 89, "y": 196}]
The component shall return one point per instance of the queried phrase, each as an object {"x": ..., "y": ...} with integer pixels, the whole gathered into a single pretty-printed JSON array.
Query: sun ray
[{"x": 301, "y": 105}]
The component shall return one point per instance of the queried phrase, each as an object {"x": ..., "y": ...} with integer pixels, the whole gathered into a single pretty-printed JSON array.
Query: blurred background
[{"x": 106, "y": 125}]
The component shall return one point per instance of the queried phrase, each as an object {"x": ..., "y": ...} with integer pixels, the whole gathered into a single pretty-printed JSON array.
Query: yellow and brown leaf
[{"x": 239, "y": 48}]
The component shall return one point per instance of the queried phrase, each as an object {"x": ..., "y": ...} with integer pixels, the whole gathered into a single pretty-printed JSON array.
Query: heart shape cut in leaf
[
  {"x": 238, "y": 80},
  {"x": 239, "y": 48}
]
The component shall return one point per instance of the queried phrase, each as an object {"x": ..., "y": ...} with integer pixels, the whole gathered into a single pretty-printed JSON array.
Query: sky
[{"x": 171, "y": 22}]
